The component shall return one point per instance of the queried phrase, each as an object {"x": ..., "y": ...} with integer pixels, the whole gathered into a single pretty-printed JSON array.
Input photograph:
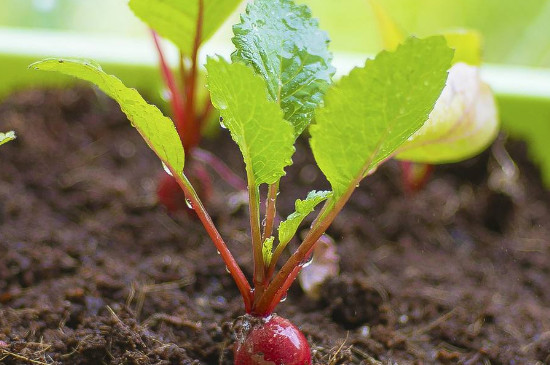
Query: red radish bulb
[{"x": 271, "y": 341}]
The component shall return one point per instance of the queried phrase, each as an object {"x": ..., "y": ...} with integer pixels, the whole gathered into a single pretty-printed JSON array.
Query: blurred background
[
  {"x": 515, "y": 41},
  {"x": 514, "y": 32}
]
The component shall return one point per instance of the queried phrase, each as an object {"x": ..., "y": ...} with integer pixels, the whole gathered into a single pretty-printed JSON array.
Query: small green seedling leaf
[
  {"x": 288, "y": 228},
  {"x": 392, "y": 94},
  {"x": 265, "y": 139},
  {"x": 281, "y": 41},
  {"x": 463, "y": 122},
  {"x": 157, "y": 130},
  {"x": 267, "y": 250},
  {"x": 176, "y": 20},
  {"x": 6, "y": 137}
]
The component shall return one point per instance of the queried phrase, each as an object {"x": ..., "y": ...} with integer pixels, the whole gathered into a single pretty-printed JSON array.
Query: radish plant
[
  {"x": 278, "y": 80},
  {"x": 188, "y": 24}
]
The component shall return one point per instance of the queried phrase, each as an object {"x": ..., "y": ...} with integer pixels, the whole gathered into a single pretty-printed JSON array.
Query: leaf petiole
[
  {"x": 193, "y": 127},
  {"x": 232, "y": 265},
  {"x": 270, "y": 209},
  {"x": 175, "y": 97}
]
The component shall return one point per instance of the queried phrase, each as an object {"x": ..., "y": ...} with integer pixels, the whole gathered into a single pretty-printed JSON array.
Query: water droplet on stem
[
  {"x": 188, "y": 203},
  {"x": 166, "y": 169}
]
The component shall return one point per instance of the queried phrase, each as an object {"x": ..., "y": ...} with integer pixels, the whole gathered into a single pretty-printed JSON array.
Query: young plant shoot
[
  {"x": 188, "y": 24},
  {"x": 279, "y": 78}
]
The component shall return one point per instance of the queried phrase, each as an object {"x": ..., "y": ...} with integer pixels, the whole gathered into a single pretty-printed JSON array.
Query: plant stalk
[
  {"x": 192, "y": 130},
  {"x": 280, "y": 284},
  {"x": 219, "y": 167},
  {"x": 270, "y": 209},
  {"x": 175, "y": 97},
  {"x": 254, "y": 212},
  {"x": 232, "y": 265}
]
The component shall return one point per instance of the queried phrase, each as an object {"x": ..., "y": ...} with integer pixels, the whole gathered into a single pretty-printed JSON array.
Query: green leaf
[
  {"x": 157, "y": 130},
  {"x": 176, "y": 20},
  {"x": 467, "y": 46},
  {"x": 284, "y": 45},
  {"x": 463, "y": 122},
  {"x": 265, "y": 139},
  {"x": 267, "y": 250},
  {"x": 6, "y": 137},
  {"x": 288, "y": 228},
  {"x": 368, "y": 114}
]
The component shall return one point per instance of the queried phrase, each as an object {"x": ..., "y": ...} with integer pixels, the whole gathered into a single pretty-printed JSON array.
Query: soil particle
[{"x": 93, "y": 271}]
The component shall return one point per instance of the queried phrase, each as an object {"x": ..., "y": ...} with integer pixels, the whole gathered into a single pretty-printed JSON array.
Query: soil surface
[{"x": 93, "y": 271}]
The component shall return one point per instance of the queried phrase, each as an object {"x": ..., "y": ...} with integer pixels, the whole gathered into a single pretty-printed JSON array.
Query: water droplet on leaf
[{"x": 166, "y": 169}]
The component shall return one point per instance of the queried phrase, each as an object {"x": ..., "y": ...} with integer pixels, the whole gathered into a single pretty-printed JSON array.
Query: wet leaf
[
  {"x": 368, "y": 114},
  {"x": 284, "y": 44},
  {"x": 256, "y": 123},
  {"x": 288, "y": 228}
]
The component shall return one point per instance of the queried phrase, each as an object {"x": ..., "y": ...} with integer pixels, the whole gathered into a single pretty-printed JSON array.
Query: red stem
[
  {"x": 220, "y": 167},
  {"x": 169, "y": 80},
  {"x": 414, "y": 176},
  {"x": 230, "y": 262},
  {"x": 192, "y": 130},
  {"x": 287, "y": 274},
  {"x": 270, "y": 210}
]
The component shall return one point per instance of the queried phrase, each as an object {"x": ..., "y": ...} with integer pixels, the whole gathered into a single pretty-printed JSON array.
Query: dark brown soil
[{"x": 92, "y": 271}]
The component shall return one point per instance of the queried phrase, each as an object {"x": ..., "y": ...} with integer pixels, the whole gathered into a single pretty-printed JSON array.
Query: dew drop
[
  {"x": 283, "y": 298},
  {"x": 166, "y": 169},
  {"x": 222, "y": 124},
  {"x": 188, "y": 203},
  {"x": 227, "y": 270},
  {"x": 307, "y": 262}
]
